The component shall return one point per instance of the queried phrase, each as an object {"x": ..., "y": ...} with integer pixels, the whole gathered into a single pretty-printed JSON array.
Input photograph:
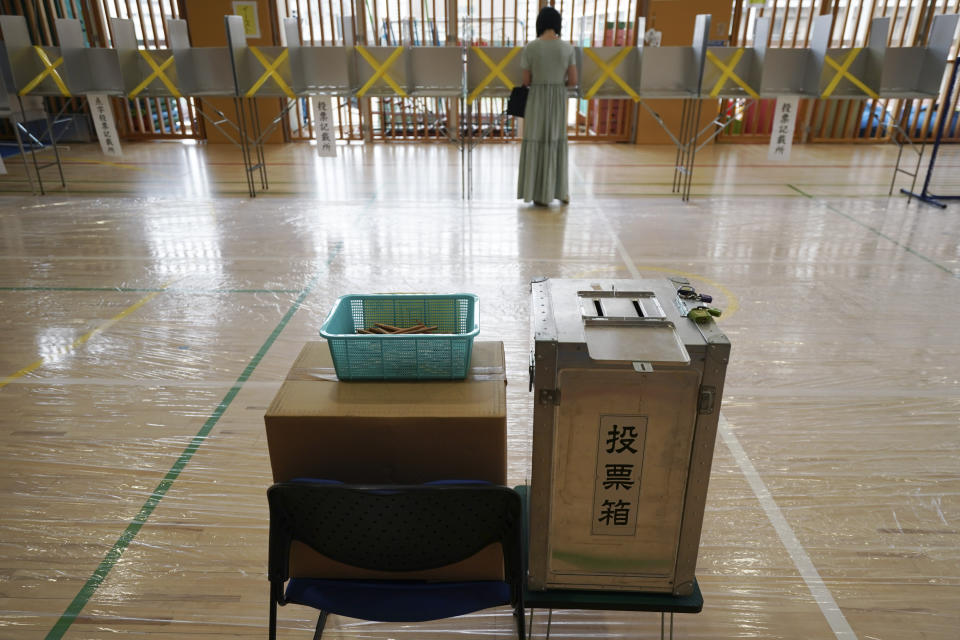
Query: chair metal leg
[{"x": 321, "y": 622}]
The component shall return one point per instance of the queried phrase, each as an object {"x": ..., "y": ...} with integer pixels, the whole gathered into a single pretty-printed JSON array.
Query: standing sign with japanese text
[
  {"x": 247, "y": 9},
  {"x": 617, "y": 482},
  {"x": 104, "y": 123},
  {"x": 784, "y": 123},
  {"x": 323, "y": 125}
]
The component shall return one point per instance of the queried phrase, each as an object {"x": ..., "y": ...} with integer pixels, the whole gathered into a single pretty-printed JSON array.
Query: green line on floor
[
  {"x": 113, "y": 556},
  {"x": 879, "y": 233}
]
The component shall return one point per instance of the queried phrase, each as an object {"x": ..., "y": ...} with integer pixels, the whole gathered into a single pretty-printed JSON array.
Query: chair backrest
[{"x": 394, "y": 527}]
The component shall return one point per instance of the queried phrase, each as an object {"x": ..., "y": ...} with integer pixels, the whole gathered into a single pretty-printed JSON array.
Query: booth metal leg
[
  {"x": 695, "y": 121},
  {"x": 56, "y": 150},
  {"x": 36, "y": 165},
  {"x": 689, "y": 142},
  {"x": 251, "y": 148},
  {"x": 258, "y": 144},
  {"x": 688, "y": 136},
  {"x": 469, "y": 152},
  {"x": 680, "y": 148},
  {"x": 686, "y": 148},
  {"x": 461, "y": 140}
]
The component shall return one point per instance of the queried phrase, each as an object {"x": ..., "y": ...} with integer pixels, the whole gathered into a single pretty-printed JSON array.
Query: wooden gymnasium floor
[{"x": 150, "y": 310}]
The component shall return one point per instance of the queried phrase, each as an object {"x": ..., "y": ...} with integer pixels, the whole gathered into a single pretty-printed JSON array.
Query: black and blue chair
[{"x": 394, "y": 528}]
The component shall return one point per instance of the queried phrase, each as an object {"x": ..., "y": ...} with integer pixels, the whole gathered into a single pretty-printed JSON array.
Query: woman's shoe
[{"x": 540, "y": 204}]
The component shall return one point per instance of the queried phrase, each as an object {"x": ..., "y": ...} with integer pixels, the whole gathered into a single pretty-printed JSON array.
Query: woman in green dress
[{"x": 549, "y": 68}]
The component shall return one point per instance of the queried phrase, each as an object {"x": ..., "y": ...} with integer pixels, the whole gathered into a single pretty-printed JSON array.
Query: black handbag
[{"x": 517, "y": 102}]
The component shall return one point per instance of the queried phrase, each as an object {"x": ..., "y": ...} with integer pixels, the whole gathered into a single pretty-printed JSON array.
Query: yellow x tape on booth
[
  {"x": 842, "y": 72},
  {"x": 608, "y": 72},
  {"x": 496, "y": 70},
  {"x": 728, "y": 72},
  {"x": 50, "y": 69},
  {"x": 158, "y": 72},
  {"x": 380, "y": 70},
  {"x": 271, "y": 71}
]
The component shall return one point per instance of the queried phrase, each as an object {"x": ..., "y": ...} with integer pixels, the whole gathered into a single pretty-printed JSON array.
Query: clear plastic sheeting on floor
[{"x": 149, "y": 317}]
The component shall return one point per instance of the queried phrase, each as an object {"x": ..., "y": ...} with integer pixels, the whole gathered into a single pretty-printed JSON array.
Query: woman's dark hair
[{"x": 548, "y": 18}]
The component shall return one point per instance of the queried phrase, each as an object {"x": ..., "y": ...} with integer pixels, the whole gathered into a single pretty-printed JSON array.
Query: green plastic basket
[{"x": 444, "y": 355}]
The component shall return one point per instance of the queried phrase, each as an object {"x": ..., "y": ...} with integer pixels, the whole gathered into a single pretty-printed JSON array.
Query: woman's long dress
[{"x": 543, "y": 154}]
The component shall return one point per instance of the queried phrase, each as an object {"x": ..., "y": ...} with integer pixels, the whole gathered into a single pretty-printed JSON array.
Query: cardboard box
[{"x": 391, "y": 433}]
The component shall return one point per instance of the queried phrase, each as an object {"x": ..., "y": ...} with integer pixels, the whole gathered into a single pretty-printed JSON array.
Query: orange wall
[{"x": 205, "y": 22}]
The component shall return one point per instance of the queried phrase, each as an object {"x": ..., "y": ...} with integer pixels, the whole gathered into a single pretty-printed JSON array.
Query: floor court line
[
  {"x": 151, "y": 383},
  {"x": 668, "y": 165},
  {"x": 36, "y": 364},
  {"x": 878, "y": 232},
  {"x": 216, "y": 188},
  {"x": 801, "y": 560}
]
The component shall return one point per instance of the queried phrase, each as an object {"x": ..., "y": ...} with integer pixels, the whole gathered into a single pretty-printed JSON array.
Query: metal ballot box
[{"x": 627, "y": 393}]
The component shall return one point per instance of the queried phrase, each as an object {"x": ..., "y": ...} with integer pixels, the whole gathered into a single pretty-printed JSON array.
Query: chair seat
[{"x": 385, "y": 601}]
